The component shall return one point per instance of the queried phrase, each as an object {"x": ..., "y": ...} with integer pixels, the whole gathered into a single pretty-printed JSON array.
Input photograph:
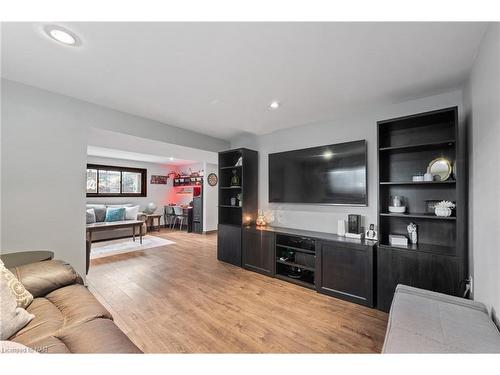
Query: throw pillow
[
  {"x": 17, "y": 289},
  {"x": 12, "y": 318},
  {"x": 115, "y": 214},
  {"x": 90, "y": 216},
  {"x": 131, "y": 213},
  {"x": 100, "y": 211}
]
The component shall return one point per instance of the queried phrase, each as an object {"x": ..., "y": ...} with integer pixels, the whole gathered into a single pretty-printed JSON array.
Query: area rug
[{"x": 126, "y": 245}]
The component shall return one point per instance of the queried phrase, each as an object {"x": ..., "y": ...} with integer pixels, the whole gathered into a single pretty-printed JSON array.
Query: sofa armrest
[{"x": 41, "y": 278}]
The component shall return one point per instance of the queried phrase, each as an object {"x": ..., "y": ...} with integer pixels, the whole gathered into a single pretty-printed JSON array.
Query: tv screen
[{"x": 333, "y": 174}]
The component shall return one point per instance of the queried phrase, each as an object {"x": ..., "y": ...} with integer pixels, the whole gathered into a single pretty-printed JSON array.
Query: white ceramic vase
[{"x": 442, "y": 211}]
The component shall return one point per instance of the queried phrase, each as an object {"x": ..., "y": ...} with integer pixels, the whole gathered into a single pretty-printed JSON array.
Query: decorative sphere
[{"x": 151, "y": 208}]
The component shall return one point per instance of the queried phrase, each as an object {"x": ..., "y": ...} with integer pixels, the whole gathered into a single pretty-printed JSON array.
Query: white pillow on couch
[
  {"x": 12, "y": 318},
  {"x": 131, "y": 213}
]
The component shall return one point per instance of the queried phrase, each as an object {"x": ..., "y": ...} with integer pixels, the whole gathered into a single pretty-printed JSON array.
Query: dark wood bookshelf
[
  {"x": 233, "y": 217},
  {"x": 231, "y": 167},
  {"x": 438, "y": 144},
  {"x": 296, "y": 249},
  {"x": 293, "y": 264},
  {"x": 418, "y": 216},
  {"x": 438, "y": 261},
  {"x": 417, "y": 182}
]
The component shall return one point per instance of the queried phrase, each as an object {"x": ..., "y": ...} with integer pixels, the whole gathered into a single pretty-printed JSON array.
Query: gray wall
[
  {"x": 361, "y": 126},
  {"x": 44, "y": 152},
  {"x": 482, "y": 100}
]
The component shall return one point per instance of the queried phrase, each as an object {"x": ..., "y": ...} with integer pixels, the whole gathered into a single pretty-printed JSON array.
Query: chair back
[
  {"x": 170, "y": 210},
  {"x": 178, "y": 210}
]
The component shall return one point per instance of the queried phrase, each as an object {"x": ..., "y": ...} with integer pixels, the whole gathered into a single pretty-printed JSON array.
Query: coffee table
[
  {"x": 25, "y": 257},
  {"x": 96, "y": 227}
]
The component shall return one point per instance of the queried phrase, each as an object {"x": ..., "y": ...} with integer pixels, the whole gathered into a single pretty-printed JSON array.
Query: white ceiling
[{"x": 218, "y": 78}]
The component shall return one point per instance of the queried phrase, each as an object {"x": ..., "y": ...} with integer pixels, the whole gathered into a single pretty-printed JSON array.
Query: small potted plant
[{"x": 444, "y": 208}]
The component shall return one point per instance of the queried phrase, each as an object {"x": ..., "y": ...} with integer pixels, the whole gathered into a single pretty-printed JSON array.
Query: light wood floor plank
[{"x": 180, "y": 299}]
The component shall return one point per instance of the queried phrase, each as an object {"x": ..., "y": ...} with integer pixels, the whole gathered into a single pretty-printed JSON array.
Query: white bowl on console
[{"x": 397, "y": 210}]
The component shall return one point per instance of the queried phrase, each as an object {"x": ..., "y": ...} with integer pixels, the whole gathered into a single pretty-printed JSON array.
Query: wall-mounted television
[{"x": 332, "y": 174}]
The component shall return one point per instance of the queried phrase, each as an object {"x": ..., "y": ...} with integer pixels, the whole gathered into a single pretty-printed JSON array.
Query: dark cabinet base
[
  {"x": 332, "y": 265},
  {"x": 229, "y": 244},
  {"x": 422, "y": 270},
  {"x": 258, "y": 251},
  {"x": 346, "y": 272}
]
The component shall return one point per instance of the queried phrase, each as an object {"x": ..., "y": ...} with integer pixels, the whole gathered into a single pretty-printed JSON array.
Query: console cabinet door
[
  {"x": 258, "y": 251},
  {"x": 229, "y": 244},
  {"x": 421, "y": 270},
  {"x": 345, "y": 271}
]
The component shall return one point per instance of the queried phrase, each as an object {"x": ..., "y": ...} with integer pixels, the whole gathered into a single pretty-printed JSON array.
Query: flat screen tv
[{"x": 333, "y": 174}]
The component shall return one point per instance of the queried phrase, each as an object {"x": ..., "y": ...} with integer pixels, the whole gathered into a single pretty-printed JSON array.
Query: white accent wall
[
  {"x": 44, "y": 154},
  {"x": 324, "y": 218},
  {"x": 482, "y": 99}
]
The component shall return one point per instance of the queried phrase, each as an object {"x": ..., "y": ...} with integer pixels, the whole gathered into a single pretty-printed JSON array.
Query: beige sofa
[
  {"x": 100, "y": 214},
  {"x": 68, "y": 318}
]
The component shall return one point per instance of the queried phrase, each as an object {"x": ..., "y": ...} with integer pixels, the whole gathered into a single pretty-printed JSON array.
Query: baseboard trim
[{"x": 210, "y": 231}]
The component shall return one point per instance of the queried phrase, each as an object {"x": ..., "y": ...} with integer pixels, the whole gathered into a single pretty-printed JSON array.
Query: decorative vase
[
  {"x": 235, "y": 180},
  {"x": 412, "y": 233},
  {"x": 261, "y": 220},
  {"x": 233, "y": 201},
  {"x": 442, "y": 211}
]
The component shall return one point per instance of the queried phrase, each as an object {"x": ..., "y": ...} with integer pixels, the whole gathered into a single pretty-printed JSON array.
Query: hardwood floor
[{"x": 180, "y": 299}]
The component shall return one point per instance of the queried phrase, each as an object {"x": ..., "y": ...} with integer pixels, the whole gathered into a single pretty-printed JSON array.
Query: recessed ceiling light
[
  {"x": 274, "y": 105},
  {"x": 62, "y": 35}
]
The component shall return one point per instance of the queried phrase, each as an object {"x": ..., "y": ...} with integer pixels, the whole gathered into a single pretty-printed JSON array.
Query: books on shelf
[{"x": 398, "y": 240}]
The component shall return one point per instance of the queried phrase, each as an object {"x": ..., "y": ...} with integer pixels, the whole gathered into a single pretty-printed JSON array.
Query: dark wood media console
[{"x": 330, "y": 264}]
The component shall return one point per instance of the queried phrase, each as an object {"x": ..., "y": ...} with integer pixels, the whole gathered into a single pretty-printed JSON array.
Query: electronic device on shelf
[
  {"x": 354, "y": 224},
  {"x": 295, "y": 259}
]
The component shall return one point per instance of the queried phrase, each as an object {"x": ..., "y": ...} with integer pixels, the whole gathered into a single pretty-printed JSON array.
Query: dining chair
[
  {"x": 169, "y": 216},
  {"x": 179, "y": 216}
]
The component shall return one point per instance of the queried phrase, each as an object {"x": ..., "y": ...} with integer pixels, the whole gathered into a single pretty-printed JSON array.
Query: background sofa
[
  {"x": 100, "y": 214},
  {"x": 68, "y": 318}
]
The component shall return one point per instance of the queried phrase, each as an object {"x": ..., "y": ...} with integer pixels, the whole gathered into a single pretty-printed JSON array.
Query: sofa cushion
[
  {"x": 49, "y": 344},
  {"x": 65, "y": 307},
  {"x": 96, "y": 336},
  {"x": 90, "y": 216},
  {"x": 115, "y": 214},
  {"x": 100, "y": 211},
  {"x": 43, "y": 277},
  {"x": 119, "y": 205},
  {"x": 421, "y": 321}
]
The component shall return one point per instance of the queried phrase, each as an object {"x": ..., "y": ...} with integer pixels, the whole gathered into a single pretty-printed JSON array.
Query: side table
[{"x": 150, "y": 221}]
